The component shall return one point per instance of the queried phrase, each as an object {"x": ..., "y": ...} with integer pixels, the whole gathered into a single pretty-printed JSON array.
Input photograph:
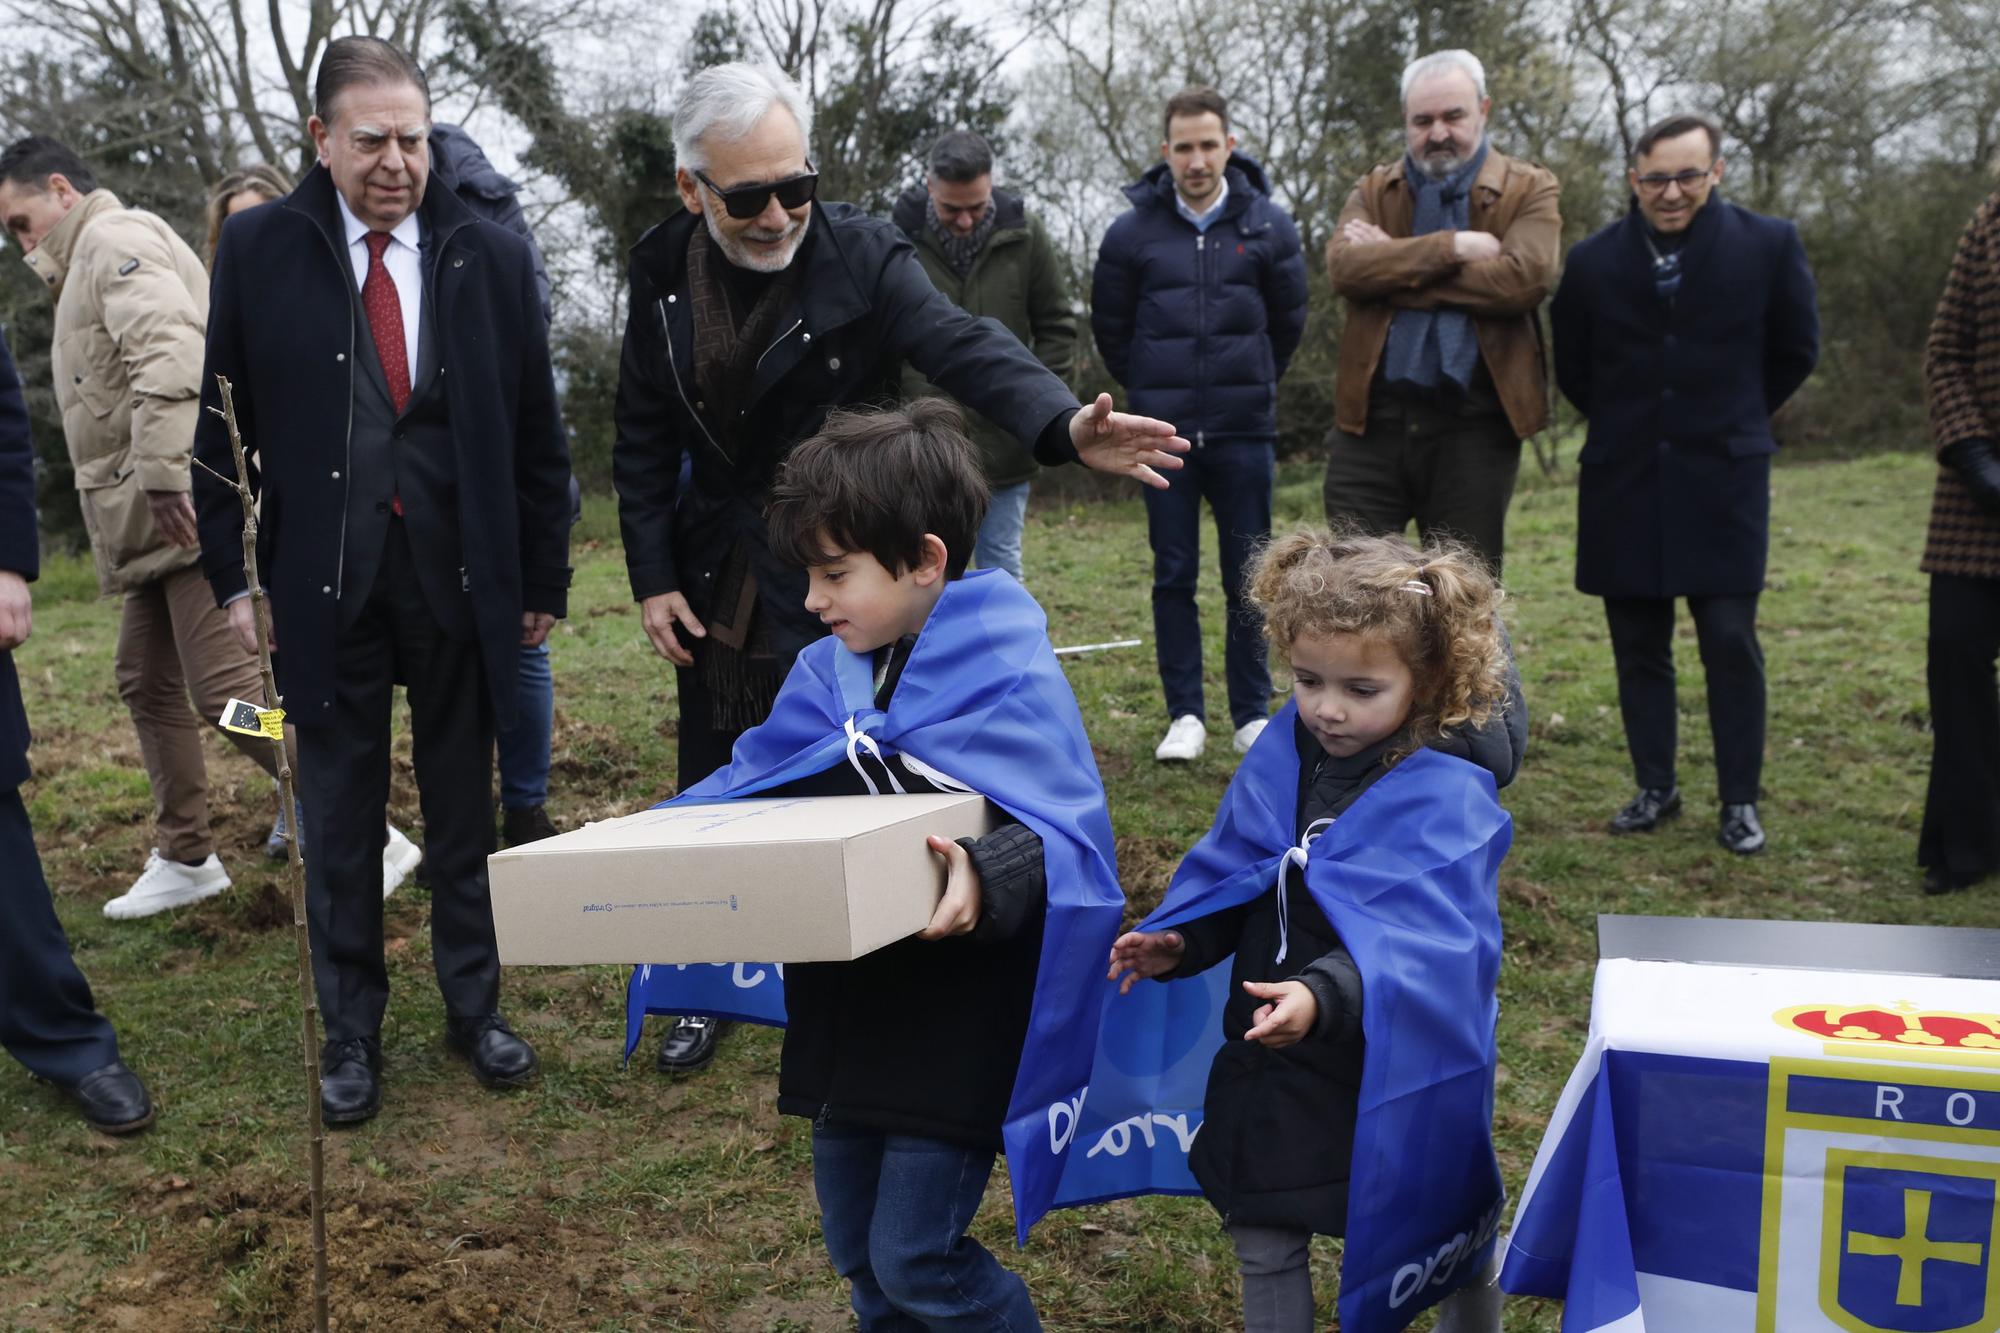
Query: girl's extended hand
[
  {"x": 1290, "y": 1015},
  {"x": 1145, "y": 953},
  {"x": 958, "y": 911}
]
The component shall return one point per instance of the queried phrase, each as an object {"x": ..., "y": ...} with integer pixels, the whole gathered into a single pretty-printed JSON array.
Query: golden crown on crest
[{"x": 1898, "y": 1024}]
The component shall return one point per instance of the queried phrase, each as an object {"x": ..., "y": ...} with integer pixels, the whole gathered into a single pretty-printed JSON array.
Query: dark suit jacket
[
  {"x": 1674, "y": 491},
  {"x": 282, "y": 327},
  {"x": 19, "y": 552}
]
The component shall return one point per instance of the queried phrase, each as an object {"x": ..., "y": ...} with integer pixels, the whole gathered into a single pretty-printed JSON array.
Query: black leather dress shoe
[
  {"x": 1937, "y": 880},
  {"x": 1739, "y": 831},
  {"x": 499, "y": 1058},
  {"x": 350, "y": 1080},
  {"x": 528, "y": 824},
  {"x": 691, "y": 1045},
  {"x": 113, "y": 1099},
  {"x": 1652, "y": 807}
]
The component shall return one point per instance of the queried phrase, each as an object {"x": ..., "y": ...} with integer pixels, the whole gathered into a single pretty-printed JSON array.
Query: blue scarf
[
  {"x": 1425, "y": 345},
  {"x": 983, "y": 699},
  {"x": 1409, "y": 877}
]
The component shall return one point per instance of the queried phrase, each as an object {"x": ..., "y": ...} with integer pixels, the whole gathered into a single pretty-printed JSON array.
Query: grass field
[{"x": 609, "y": 1198}]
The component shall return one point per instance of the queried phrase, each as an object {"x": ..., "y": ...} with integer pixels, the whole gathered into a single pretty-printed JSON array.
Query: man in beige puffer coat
[{"x": 131, "y": 314}]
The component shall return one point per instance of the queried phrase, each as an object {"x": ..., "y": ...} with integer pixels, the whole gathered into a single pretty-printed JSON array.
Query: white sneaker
[
  {"x": 1185, "y": 739},
  {"x": 399, "y": 857},
  {"x": 163, "y": 884},
  {"x": 1247, "y": 734}
]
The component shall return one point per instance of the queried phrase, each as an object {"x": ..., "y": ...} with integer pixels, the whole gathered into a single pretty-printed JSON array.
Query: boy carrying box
[{"x": 917, "y": 1062}]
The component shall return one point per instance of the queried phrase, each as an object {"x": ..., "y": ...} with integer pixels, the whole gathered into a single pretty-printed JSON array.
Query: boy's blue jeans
[
  {"x": 894, "y": 1209},
  {"x": 524, "y": 747}
]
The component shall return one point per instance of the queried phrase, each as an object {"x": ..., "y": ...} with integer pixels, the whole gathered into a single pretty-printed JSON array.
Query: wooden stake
[{"x": 295, "y": 874}]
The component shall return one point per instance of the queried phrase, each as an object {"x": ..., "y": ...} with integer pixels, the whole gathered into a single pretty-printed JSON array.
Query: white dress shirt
[
  {"x": 1205, "y": 216},
  {"x": 404, "y": 262}
]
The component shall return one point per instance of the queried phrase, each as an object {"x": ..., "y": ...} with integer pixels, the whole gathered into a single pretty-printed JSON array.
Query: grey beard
[
  {"x": 737, "y": 254},
  {"x": 1438, "y": 168}
]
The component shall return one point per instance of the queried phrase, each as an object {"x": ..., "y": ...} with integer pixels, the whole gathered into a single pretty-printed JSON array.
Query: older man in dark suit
[
  {"x": 387, "y": 349},
  {"x": 1678, "y": 332},
  {"x": 47, "y": 1019}
]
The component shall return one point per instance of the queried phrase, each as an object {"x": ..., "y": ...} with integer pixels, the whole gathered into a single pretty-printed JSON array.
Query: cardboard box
[{"x": 799, "y": 880}]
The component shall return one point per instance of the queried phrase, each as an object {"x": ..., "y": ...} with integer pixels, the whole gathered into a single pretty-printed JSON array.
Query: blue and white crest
[
  {"x": 1881, "y": 1199},
  {"x": 1907, "y": 1245}
]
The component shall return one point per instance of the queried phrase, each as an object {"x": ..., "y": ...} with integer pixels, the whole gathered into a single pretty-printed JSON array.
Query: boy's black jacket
[{"x": 922, "y": 1037}]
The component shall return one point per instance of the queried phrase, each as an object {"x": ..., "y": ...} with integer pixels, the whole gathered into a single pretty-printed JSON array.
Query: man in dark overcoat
[
  {"x": 47, "y": 1018},
  {"x": 755, "y": 312},
  {"x": 1679, "y": 330},
  {"x": 1960, "y": 842},
  {"x": 391, "y": 370}
]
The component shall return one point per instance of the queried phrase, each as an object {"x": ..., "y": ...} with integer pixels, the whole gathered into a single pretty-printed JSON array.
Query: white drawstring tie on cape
[
  {"x": 1294, "y": 856},
  {"x": 859, "y": 740}
]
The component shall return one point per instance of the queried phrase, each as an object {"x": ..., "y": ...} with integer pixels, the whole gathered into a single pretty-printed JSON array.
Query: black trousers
[
  {"x": 344, "y": 782},
  {"x": 47, "y": 1018},
  {"x": 1961, "y": 832},
  {"x": 702, "y": 747},
  {"x": 1449, "y": 466},
  {"x": 1642, "y": 644}
]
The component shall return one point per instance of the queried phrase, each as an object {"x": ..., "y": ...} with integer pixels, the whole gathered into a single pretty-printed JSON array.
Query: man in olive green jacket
[
  {"x": 990, "y": 256},
  {"x": 131, "y": 316}
]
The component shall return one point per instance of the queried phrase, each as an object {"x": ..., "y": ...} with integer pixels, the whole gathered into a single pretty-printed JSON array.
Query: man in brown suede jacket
[{"x": 1443, "y": 258}]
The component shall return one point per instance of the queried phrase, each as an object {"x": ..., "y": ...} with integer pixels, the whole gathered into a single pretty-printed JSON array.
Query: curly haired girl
[{"x": 1354, "y": 854}]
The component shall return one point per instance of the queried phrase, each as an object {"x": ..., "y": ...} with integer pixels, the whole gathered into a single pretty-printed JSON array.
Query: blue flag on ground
[
  {"x": 1409, "y": 877},
  {"x": 983, "y": 703}
]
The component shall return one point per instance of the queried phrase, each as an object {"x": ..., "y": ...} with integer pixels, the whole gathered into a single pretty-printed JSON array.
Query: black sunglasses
[{"x": 747, "y": 201}]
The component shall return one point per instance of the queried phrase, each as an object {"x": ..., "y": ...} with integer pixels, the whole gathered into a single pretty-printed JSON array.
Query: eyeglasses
[
  {"x": 1658, "y": 182},
  {"x": 747, "y": 201}
]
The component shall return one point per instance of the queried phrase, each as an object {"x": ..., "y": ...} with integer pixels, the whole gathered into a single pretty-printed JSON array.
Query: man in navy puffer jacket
[{"x": 1198, "y": 303}]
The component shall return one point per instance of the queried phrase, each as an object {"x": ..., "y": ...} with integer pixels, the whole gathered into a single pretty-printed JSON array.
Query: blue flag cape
[
  {"x": 1409, "y": 877},
  {"x": 983, "y": 701}
]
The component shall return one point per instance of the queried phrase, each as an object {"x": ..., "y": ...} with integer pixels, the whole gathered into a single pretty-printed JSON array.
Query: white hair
[
  {"x": 729, "y": 101},
  {"x": 1437, "y": 62}
]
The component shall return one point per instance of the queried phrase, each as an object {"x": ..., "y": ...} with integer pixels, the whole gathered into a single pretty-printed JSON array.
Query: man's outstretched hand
[{"x": 1121, "y": 443}]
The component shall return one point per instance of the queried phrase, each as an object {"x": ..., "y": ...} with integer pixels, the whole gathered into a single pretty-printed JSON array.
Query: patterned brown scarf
[
  {"x": 728, "y": 341},
  {"x": 962, "y": 252},
  {"x": 736, "y": 664}
]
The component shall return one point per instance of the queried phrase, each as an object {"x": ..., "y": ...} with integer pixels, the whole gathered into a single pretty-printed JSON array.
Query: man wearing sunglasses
[
  {"x": 1678, "y": 332},
  {"x": 754, "y": 313}
]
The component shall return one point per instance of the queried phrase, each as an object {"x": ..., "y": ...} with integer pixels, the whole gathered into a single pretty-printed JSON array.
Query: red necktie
[
  {"x": 384, "y": 307},
  {"x": 385, "y": 320}
]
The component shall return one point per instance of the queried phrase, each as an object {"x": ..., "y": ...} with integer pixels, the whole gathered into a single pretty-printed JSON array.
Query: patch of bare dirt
[
  {"x": 392, "y": 1265},
  {"x": 792, "y": 1315},
  {"x": 1112, "y": 763},
  {"x": 1144, "y": 867}
]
